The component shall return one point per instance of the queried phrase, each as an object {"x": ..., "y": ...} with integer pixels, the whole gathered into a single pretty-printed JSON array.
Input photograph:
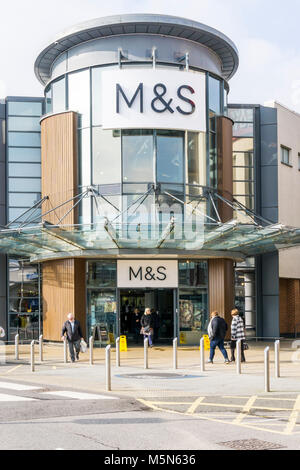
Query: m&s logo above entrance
[
  {"x": 147, "y": 273},
  {"x": 153, "y": 99}
]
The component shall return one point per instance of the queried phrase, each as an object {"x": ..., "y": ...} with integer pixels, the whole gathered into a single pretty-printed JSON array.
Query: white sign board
[
  {"x": 147, "y": 273},
  {"x": 153, "y": 99}
]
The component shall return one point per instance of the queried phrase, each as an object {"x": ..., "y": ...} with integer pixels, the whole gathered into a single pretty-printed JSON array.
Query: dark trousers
[
  {"x": 74, "y": 347},
  {"x": 217, "y": 342},
  {"x": 150, "y": 339},
  {"x": 233, "y": 347}
]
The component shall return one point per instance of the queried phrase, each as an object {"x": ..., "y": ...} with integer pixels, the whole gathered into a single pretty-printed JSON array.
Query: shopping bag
[{"x": 83, "y": 346}]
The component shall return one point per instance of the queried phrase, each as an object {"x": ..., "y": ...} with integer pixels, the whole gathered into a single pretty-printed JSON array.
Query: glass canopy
[{"x": 233, "y": 239}]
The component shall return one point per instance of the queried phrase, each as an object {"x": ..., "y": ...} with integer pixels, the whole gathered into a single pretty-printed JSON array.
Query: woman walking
[
  {"x": 147, "y": 323},
  {"x": 237, "y": 333}
]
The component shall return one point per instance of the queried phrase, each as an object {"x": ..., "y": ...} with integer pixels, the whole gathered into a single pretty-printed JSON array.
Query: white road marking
[
  {"x": 18, "y": 387},
  {"x": 4, "y": 397},
  {"x": 80, "y": 396}
]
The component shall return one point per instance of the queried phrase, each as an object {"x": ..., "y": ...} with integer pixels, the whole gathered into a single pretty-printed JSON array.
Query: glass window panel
[
  {"x": 214, "y": 95},
  {"x": 59, "y": 96},
  {"x": 241, "y": 114},
  {"x": 170, "y": 156},
  {"x": 193, "y": 273},
  {"x": 102, "y": 274},
  {"x": 243, "y": 129},
  {"x": 193, "y": 314},
  {"x": 102, "y": 316},
  {"x": 28, "y": 185},
  {"x": 213, "y": 166},
  {"x": 138, "y": 156},
  {"x": 106, "y": 156},
  {"x": 18, "y": 154},
  {"x": 24, "y": 305},
  {"x": 84, "y": 145},
  {"x": 24, "y": 169},
  {"x": 24, "y": 124},
  {"x": 243, "y": 159},
  {"x": 96, "y": 96},
  {"x": 247, "y": 201},
  {"x": 23, "y": 199},
  {"x": 135, "y": 188},
  {"x": 140, "y": 213},
  {"x": 79, "y": 95},
  {"x": 25, "y": 324},
  {"x": 48, "y": 97},
  {"x": 15, "y": 213},
  {"x": 196, "y": 158},
  {"x": 241, "y": 173},
  {"x": 109, "y": 208},
  {"x": 22, "y": 271},
  {"x": 243, "y": 145},
  {"x": 20, "y": 108},
  {"x": 243, "y": 187},
  {"x": 285, "y": 155},
  {"x": 24, "y": 139}
]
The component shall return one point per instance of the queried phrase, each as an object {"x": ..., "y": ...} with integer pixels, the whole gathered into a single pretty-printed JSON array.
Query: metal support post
[
  {"x": 91, "y": 345},
  {"x": 41, "y": 344},
  {"x": 239, "y": 357},
  {"x": 32, "y": 365},
  {"x": 118, "y": 358},
  {"x": 146, "y": 365},
  {"x": 17, "y": 343},
  {"x": 108, "y": 368},
  {"x": 202, "y": 355},
  {"x": 175, "y": 356},
  {"x": 267, "y": 369},
  {"x": 277, "y": 359}
]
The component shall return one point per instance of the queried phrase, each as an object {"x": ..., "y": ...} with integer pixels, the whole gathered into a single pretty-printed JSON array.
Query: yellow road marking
[
  {"x": 156, "y": 408},
  {"x": 195, "y": 405},
  {"x": 11, "y": 370},
  {"x": 246, "y": 410},
  {"x": 293, "y": 417}
]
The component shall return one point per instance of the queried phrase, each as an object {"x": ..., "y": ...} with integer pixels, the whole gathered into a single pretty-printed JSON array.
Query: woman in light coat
[{"x": 237, "y": 332}]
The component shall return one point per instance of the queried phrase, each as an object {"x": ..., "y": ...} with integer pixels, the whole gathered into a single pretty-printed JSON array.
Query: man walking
[
  {"x": 72, "y": 329},
  {"x": 217, "y": 331}
]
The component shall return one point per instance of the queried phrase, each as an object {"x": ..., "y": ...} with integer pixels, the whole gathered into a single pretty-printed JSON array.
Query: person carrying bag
[{"x": 237, "y": 333}]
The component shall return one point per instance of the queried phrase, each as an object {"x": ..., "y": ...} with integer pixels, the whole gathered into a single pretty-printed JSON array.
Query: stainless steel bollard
[
  {"x": 17, "y": 343},
  {"x": 267, "y": 369},
  {"x": 91, "y": 345},
  {"x": 175, "y": 353},
  {"x": 65, "y": 351},
  {"x": 41, "y": 344},
  {"x": 239, "y": 357},
  {"x": 32, "y": 364},
  {"x": 277, "y": 359},
  {"x": 202, "y": 355},
  {"x": 107, "y": 368},
  {"x": 146, "y": 365},
  {"x": 118, "y": 357}
]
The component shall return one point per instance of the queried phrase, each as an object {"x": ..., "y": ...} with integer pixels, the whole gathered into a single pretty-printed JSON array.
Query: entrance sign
[
  {"x": 147, "y": 273},
  {"x": 153, "y": 99}
]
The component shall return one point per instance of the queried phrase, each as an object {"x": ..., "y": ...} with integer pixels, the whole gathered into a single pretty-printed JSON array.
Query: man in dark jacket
[
  {"x": 73, "y": 332},
  {"x": 217, "y": 332}
]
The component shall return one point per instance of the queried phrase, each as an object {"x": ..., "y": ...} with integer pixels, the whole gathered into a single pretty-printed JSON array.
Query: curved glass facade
[{"x": 123, "y": 164}]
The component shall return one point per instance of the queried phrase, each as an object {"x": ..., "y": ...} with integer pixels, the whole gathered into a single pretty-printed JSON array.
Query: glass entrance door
[{"x": 132, "y": 305}]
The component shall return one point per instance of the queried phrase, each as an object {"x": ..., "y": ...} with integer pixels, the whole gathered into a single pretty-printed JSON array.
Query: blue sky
[{"x": 266, "y": 33}]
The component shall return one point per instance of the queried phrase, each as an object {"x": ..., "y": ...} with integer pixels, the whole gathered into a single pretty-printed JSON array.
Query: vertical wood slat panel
[
  {"x": 63, "y": 280},
  {"x": 221, "y": 288}
]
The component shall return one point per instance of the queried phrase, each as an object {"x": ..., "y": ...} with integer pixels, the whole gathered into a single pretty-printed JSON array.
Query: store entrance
[{"x": 161, "y": 303}]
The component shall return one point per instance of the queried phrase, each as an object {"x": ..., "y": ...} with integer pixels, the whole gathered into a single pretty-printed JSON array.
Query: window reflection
[
  {"x": 106, "y": 156},
  {"x": 138, "y": 155},
  {"x": 170, "y": 156}
]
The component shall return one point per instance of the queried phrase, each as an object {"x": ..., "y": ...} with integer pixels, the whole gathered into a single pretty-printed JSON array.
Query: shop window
[
  {"x": 59, "y": 96},
  {"x": 214, "y": 96},
  {"x": 79, "y": 96},
  {"x": 196, "y": 155},
  {"x": 170, "y": 156},
  {"x": 106, "y": 156}
]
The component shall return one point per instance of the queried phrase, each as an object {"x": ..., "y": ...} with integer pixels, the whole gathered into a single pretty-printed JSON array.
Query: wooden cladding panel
[
  {"x": 225, "y": 166},
  {"x": 59, "y": 165},
  {"x": 221, "y": 287},
  {"x": 63, "y": 293},
  {"x": 289, "y": 301}
]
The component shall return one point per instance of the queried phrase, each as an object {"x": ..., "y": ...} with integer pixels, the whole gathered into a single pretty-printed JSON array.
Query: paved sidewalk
[{"x": 131, "y": 379}]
